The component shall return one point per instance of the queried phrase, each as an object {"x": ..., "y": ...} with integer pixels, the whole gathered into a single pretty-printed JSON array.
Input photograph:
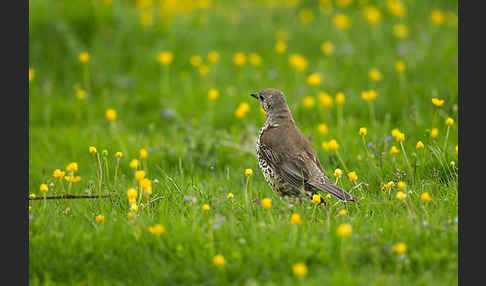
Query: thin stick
[{"x": 71, "y": 197}]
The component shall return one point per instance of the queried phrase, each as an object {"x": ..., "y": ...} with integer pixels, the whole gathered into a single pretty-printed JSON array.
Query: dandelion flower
[
  {"x": 308, "y": 101},
  {"x": 298, "y": 62},
  {"x": 434, "y": 132},
  {"x": 157, "y": 229},
  {"x": 58, "y": 174},
  {"x": 338, "y": 173},
  {"x": 131, "y": 215},
  {"x": 295, "y": 219},
  {"x": 419, "y": 145},
  {"x": 327, "y": 48},
  {"x": 203, "y": 70},
  {"x": 43, "y": 188},
  {"x": 400, "y": 248},
  {"x": 139, "y": 175},
  {"x": 306, "y": 16},
  {"x": 449, "y": 121},
  {"x": 401, "y": 195},
  {"x": 213, "y": 94},
  {"x": 437, "y": 17},
  {"x": 230, "y": 196},
  {"x": 143, "y": 154},
  {"x": 206, "y": 207},
  {"x": 457, "y": 149},
  {"x": 340, "y": 98},
  {"x": 239, "y": 59},
  {"x": 372, "y": 15},
  {"x": 32, "y": 196},
  {"x": 333, "y": 145},
  {"x": 132, "y": 194},
  {"x": 299, "y": 269},
  {"x": 146, "y": 19},
  {"x": 80, "y": 94},
  {"x": 72, "y": 167},
  {"x": 134, "y": 164},
  {"x": 343, "y": 3},
  {"x": 219, "y": 260},
  {"x": 267, "y": 203},
  {"x": 341, "y": 21},
  {"x": 363, "y": 131},
  {"x": 322, "y": 128},
  {"x": 400, "y": 66},
  {"x": 195, "y": 61},
  {"x": 146, "y": 185},
  {"x": 255, "y": 59},
  {"x": 394, "y": 150},
  {"x": 369, "y": 95},
  {"x": 133, "y": 207},
  {"x": 396, "y": 8},
  {"x": 400, "y": 31},
  {"x": 344, "y": 230},
  {"x": 314, "y": 79},
  {"x": 400, "y": 137},
  {"x": 325, "y": 99},
  {"x": 164, "y": 58},
  {"x": 325, "y": 145},
  {"x": 437, "y": 102},
  {"x": 352, "y": 176},
  {"x": 110, "y": 114},
  {"x": 92, "y": 150},
  {"x": 100, "y": 218},
  {"x": 316, "y": 198},
  {"x": 83, "y": 57},
  {"x": 248, "y": 172},
  {"x": 401, "y": 185},
  {"x": 343, "y": 212},
  {"x": 31, "y": 74},
  {"x": 425, "y": 197},
  {"x": 374, "y": 74},
  {"x": 118, "y": 155},
  {"x": 280, "y": 47}
]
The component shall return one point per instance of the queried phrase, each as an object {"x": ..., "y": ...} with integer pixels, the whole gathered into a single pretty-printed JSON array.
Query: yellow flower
[
  {"x": 341, "y": 21},
  {"x": 146, "y": 19},
  {"x": 157, "y": 229},
  {"x": 434, "y": 132},
  {"x": 131, "y": 215},
  {"x": 325, "y": 145},
  {"x": 203, "y": 70},
  {"x": 134, "y": 164},
  {"x": 343, "y": 212},
  {"x": 306, "y": 16},
  {"x": 213, "y": 94},
  {"x": 327, "y": 48},
  {"x": 280, "y": 47},
  {"x": 295, "y": 219},
  {"x": 400, "y": 137},
  {"x": 425, "y": 197},
  {"x": 401, "y": 185},
  {"x": 401, "y": 195},
  {"x": 363, "y": 131},
  {"x": 457, "y": 149},
  {"x": 255, "y": 59},
  {"x": 242, "y": 109},
  {"x": 72, "y": 167},
  {"x": 133, "y": 207},
  {"x": 338, "y": 173},
  {"x": 146, "y": 186},
  {"x": 58, "y": 174},
  {"x": 328, "y": 196},
  {"x": 325, "y": 99},
  {"x": 195, "y": 61},
  {"x": 219, "y": 260},
  {"x": 388, "y": 185},
  {"x": 437, "y": 17},
  {"x": 92, "y": 150},
  {"x": 343, "y": 3},
  {"x": 308, "y": 101},
  {"x": 206, "y": 207},
  {"x": 400, "y": 248},
  {"x": 118, "y": 155},
  {"x": 449, "y": 121},
  {"x": 132, "y": 194},
  {"x": 352, "y": 176},
  {"x": 80, "y": 94},
  {"x": 372, "y": 15},
  {"x": 299, "y": 269},
  {"x": 43, "y": 188},
  {"x": 267, "y": 203},
  {"x": 374, "y": 74},
  {"x": 400, "y": 31},
  {"x": 30, "y": 208},
  {"x": 314, "y": 79},
  {"x": 213, "y": 56},
  {"x": 83, "y": 57},
  {"x": 139, "y": 175},
  {"x": 344, "y": 230},
  {"x": 394, "y": 150},
  {"x": 100, "y": 218},
  {"x": 110, "y": 114},
  {"x": 143, "y": 154},
  {"x": 73, "y": 179},
  {"x": 298, "y": 62},
  {"x": 333, "y": 145},
  {"x": 400, "y": 66},
  {"x": 248, "y": 172},
  {"x": 419, "y": 145},
  {"x": 369, "y": 95},
  {"x": 396, "y": 8},
  {"x": 164, "y": 58},
  {"x": 437, "y": 102},
  {"x": 239, "y": 59},
  {"x": 32, "y": 196},
  {"x": 230, "y": 196},
  {"x": 31, "y": 74},
  {"x": 322, "y": 128},
  {"x": 340, "y": 98},
  {"x": 316, "y": 198}
]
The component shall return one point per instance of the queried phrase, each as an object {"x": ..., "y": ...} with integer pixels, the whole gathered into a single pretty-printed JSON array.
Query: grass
[{"x": 198, "y": 149}]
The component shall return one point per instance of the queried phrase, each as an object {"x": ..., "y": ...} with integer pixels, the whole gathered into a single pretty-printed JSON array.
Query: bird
[{"x": 286, "y": 157}]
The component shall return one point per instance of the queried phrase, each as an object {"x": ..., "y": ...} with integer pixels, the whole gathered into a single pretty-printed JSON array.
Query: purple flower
[
  {"x": 216, "y": 226},
  {"x": 370, "y": 145},
  {"x": 222, "y": 220},
  {"x": 186, "y": 198},
  {"x": 388, "y": 138}
]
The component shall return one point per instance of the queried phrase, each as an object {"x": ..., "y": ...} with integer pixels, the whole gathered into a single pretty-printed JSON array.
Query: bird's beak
[{"x": 254, "y": 95}]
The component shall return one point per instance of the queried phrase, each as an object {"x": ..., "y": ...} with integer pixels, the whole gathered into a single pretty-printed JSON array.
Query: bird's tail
[{"x": 334, "y": 190}]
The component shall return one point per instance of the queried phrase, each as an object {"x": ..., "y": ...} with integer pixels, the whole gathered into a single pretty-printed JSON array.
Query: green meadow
[{"x": 373, "y": 84}]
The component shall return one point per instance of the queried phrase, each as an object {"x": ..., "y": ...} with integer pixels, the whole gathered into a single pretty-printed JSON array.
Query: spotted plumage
[{"x": 286, "y": 157}]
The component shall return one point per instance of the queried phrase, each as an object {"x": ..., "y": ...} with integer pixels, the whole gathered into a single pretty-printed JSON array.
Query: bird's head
[{"x": 274, "y": 104}]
